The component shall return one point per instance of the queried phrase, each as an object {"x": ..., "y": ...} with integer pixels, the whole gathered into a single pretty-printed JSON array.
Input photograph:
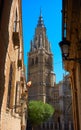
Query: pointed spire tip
[{"x": 40, "y": 11}]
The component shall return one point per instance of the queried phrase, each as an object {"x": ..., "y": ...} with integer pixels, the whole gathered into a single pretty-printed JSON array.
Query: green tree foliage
[{"x": 39, "y": 112}]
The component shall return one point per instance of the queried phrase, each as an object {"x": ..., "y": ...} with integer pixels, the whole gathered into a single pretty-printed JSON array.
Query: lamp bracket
[{"x": 72, "y": 59}]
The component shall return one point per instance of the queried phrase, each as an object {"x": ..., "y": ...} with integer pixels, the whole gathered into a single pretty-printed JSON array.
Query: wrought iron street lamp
[{"x": 65, "y": 46}]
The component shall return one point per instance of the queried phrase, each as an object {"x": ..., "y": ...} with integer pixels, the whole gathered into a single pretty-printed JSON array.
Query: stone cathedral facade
[{"x": 40, "y": 64}]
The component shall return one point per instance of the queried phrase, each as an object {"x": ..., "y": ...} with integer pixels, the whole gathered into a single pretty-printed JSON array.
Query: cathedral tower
[{"x": 40, "y": 64}]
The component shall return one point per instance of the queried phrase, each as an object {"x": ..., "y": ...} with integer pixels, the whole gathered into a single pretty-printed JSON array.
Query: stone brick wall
[
  {"x": 2, "y": 65},
  {"x": 4, "y": 40},
  {"x": 10, "y": 122},
  {"x": 9, "y": 119}
]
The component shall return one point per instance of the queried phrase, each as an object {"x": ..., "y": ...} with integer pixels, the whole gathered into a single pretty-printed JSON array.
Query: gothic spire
[{"x": 40, "y": 20}]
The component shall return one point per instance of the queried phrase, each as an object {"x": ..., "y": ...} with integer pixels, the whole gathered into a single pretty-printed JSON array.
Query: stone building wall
[{"x": 12, "y": 77}]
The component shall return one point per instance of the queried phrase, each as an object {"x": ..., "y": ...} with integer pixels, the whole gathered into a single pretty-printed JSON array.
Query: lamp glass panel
[{"x": 65, "y": 50}]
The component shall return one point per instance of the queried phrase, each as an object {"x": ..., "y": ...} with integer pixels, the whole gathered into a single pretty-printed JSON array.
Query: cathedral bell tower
[{"x": 40, "y": 64}]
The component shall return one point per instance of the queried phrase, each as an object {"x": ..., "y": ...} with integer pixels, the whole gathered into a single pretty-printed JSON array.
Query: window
[
  {"x": 32, "y": 61},
  {"x": 16, "y": 22},
  {"x": 51, "y": 125},
  {"x": 11, "y": 84},
  {"x": 43, "y": 125},
  {"x": 15, "y": 36},
  {"x": 17, "y": 96},
  {"x": 1, "y": 8},
  {"x": 47, "y": 125},
  {"x": 36, "y": 61}
]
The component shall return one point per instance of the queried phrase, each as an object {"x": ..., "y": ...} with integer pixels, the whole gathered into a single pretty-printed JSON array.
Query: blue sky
[{"x": 51, "y": 12}]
